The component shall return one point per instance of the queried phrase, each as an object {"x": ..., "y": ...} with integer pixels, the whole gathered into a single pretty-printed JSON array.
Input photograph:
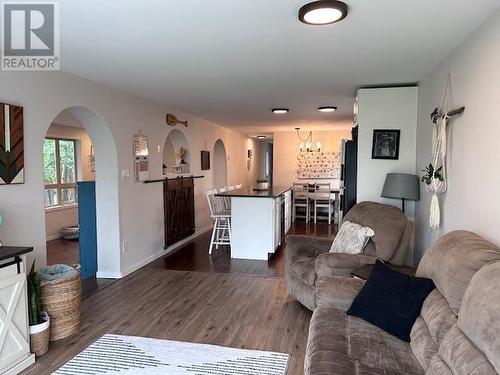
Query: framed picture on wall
[
  {"x": 205, "y": 160},
  {"x": 386, "y": 144}
]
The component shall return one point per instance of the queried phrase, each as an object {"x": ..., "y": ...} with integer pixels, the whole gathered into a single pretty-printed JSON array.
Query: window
[{"x": 59, "y": 163}]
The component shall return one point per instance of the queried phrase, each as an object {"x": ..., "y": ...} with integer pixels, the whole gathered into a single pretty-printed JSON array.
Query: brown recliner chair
[{"x": 308, "y": 258}]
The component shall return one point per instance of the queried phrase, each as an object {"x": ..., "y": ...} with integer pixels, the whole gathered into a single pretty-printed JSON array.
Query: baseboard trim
[
  {"x": 108, "y": 275},
  {"x": 163, "y": 252},
  {"x": 53, "y": 237}
]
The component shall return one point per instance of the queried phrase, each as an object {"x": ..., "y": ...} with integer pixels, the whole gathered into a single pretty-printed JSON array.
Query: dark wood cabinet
[{"x": 178, "y": 198}]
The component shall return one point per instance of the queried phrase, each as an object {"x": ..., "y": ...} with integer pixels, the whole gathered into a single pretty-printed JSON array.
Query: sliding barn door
[{"x": 178, "y": 196}]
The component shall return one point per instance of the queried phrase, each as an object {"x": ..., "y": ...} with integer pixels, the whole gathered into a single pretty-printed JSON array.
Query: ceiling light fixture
[
  {"x": 306, "y": 144},
  {"x": 261, "y": 137},
  {"x": 323, "y": 12},
  {"x": 280, "y": 111},
  {"x": 328, "y": 109}
]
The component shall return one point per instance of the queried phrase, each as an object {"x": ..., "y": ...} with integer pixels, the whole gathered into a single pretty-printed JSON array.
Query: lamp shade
[{"x": 402, "y": 186}]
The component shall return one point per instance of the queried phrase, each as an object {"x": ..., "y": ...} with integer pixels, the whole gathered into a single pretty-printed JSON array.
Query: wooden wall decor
[
  {"x": 172, "y": 120},
  {"x": 11, "y": 145},
  {"x": 315, "y": 165}
]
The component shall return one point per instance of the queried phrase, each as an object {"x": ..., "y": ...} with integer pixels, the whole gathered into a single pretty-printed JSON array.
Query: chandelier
[{"x": 306, "y": 144}]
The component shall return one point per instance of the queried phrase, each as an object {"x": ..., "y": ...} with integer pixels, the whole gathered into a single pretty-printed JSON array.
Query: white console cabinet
[{"x": 15, "y": 353}]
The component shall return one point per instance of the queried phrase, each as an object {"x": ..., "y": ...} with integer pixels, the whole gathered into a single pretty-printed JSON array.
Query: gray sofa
[
  {"x": 307, "y": 258},
  {"x": 458, "y": 331}
]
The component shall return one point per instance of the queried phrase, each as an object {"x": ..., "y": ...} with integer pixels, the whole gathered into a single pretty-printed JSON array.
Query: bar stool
[
  {"x": 301, "y": 199},
  {"x": 221, "y": 233}
]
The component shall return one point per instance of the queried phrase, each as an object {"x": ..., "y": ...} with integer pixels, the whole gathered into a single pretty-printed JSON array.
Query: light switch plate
[{"x": 125, "y": 174}]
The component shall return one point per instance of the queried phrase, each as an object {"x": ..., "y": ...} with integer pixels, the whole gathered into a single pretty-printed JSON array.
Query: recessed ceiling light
[
  {"x": 323, "y": 12},
  {"x": 280, "y": 110},
  {"x": 261, "y": 137},
  {"x": 327, "y": 109}
]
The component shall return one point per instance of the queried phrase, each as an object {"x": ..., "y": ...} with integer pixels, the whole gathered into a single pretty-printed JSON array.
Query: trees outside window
[{"x": 59, "y": 162}]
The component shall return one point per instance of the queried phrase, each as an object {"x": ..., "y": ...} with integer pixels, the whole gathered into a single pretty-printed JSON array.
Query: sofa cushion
[
  {"x": 341, "y": 344},
  {"x": 460, "y": 356},
  {"x": 479, "y": 317},
  {"x": 303, "y": 267},
  {"x": 452, "y": 260},
  {"x": 391, "y": 300},
  {"x": 388, "y": 223},
  {"x": 436, "y": 319},
  {"x": 334, "y": 264}
]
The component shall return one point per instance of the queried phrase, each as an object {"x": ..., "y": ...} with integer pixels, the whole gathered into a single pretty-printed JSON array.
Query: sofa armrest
[
  {"x": 306, "y": 246},
  {"x": 338, "y": 264},
  {"x": 338, "y": 291}
]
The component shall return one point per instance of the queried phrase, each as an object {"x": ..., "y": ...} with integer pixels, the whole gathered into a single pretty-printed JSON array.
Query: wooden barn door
[{"x": 178, "y": 196}]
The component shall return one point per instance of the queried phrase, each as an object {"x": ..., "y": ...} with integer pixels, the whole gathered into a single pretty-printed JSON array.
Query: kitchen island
[{"x": 259, "y": 220}]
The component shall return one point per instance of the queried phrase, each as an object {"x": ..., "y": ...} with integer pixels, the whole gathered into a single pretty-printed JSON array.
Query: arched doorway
[
  {"x": 176, "y": 153},
  {"x": 107, "y": 230},
  {"x": 220, "y": 164}
]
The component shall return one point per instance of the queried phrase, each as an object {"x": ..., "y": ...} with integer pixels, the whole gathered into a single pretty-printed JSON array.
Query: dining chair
[
  {"x": 301, "y": 199},
  {"x": 322, "y": 197}
]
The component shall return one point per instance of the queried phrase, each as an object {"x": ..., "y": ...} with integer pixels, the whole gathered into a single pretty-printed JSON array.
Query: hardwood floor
[
  {"x": 194, "y": 256},
  {"x": 63, "y": 251},
  {"x": 219, "y": 302},
  {"x": 215, "y": 308}
]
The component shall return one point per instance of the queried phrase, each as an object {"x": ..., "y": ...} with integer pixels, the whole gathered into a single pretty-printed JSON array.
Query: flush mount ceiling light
[
  {"x": 327, "y": 109},
  {"x": 280, "y": 111},
  {"x": 323, "y": 12},
  {"x": 261, "y": 137}
]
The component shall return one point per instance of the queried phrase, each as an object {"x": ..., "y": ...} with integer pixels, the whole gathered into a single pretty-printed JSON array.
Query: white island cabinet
[
  {"x": 259, "y": 221},
  {"x": 15, "y": 353}
]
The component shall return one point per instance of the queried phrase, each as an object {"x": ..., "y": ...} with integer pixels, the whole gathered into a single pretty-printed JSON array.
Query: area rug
[{"x": 131, "y": 355}]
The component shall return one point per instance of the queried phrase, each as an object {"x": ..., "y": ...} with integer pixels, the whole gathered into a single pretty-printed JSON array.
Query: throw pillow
[
  {"x": 351, "y": 238},
  {"x": 391, "y": 300}
]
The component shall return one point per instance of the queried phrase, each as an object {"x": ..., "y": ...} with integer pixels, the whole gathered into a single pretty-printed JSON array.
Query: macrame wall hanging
[{"x": 436, "y": 177}]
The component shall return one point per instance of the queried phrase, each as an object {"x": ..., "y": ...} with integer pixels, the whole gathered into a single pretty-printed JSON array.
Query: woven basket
[
  {"x": 39, "y": 337},
  {"x": 61, "y": 299}
]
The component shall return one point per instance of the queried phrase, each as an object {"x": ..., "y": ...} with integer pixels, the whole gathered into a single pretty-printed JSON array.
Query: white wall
[
  {"x": 139, "y": 217},
  {"x": 286, "y": 150},
  {"x": 472, "y": 201},
  {"x": 385, "y": 108}
]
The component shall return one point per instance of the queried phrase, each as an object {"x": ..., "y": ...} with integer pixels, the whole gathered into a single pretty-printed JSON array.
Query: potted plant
[
  {"x": 39, "y": 320},
  {"x": 262, "y": 183},
  {"x": 434, "y": 180}
]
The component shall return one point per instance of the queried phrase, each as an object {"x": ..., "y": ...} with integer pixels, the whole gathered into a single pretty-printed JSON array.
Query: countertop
[
  {"x": 249, "y": 192},
  {"x": 11, "y": 252}
]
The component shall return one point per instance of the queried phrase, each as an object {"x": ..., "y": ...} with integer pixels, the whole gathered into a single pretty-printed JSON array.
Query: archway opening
[
  {"x": 176, "y": 154},
  {"x": 80, "y": 154},
  {"x": 220, "y": 164}
]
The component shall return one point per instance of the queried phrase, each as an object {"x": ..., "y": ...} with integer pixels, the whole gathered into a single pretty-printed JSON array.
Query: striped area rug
[{"x": 131, "y": 355}]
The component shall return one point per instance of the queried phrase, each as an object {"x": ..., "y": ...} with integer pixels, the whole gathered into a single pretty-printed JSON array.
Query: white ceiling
[{"x": 231, "y": 61}]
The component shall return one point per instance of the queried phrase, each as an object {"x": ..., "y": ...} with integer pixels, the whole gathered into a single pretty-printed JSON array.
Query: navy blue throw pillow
[{"x": 391, "y": 300}]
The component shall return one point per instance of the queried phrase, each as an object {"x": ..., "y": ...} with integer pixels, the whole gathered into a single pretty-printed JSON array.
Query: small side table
[{"x": 365, "y": 271}]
